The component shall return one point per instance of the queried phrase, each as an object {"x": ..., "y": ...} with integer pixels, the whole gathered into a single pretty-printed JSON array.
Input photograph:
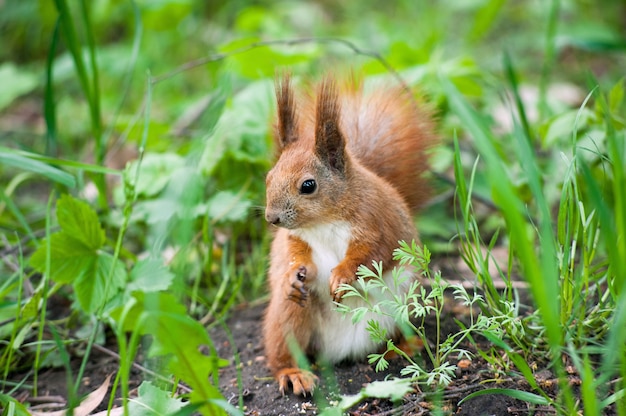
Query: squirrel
[{"x": 349, "y": 176}]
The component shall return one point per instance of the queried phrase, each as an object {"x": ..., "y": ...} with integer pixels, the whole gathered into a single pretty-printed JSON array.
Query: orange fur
[{"x": 366, "y": 156}]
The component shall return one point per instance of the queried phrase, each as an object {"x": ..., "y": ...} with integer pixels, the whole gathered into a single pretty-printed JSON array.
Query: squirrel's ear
[
  {"x": 286, "y": 110},
  {"x": 329, "y": 142}
]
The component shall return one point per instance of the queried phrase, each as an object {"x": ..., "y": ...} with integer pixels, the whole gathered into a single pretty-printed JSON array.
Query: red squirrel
[{"x": 348, "y": 177}]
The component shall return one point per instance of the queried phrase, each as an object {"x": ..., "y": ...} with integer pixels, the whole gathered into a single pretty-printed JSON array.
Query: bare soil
[
  {"x": 251, "y": 380},
  {"x": 247, "y": 382}
]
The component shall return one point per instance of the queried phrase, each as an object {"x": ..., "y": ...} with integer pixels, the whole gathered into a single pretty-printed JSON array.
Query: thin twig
[{"x": 286, "y": 42}]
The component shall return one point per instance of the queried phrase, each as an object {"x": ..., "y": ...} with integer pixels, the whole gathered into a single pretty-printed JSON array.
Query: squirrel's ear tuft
[
  {"x": 286, "y": 129},
  {"x": 329, "y": 141}
]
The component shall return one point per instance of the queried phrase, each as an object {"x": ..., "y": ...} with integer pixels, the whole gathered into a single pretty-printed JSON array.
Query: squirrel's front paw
[
  {"x": 301, "y": 381},
  {"x": 338, "y": 277},
  {"x": 298, "y": 292}
]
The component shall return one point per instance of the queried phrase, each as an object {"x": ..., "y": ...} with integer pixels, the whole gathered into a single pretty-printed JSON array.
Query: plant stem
[{"x": 44, "y": 291}]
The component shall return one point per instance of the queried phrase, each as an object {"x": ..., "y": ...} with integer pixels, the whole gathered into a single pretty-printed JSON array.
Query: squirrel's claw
[
  {"x": 336, "y": 280},
  {"x": 302, "y": 381}
]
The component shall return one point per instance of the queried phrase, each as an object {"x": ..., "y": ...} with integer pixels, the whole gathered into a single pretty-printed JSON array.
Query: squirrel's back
[{"x": 390, "y": 134}]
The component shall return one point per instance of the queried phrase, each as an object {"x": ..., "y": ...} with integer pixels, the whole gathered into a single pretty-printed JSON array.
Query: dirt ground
[
  {"x": 246, "y": 379},
  {"x": 261, "y": 396}
]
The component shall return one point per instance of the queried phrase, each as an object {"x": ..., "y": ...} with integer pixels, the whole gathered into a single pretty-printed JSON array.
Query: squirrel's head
[{"x": 309, "y": 178}]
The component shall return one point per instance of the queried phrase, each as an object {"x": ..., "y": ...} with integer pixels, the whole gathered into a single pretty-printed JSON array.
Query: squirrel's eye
[{"x": 308, "y": 187}]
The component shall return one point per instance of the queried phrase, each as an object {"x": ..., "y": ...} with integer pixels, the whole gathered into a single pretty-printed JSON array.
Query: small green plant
[{"x": 424, "y": 300}]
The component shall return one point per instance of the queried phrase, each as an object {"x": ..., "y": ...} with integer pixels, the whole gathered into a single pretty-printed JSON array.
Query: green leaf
[
  {"x": 228, "y": 206},
  {"x": 12, "y": 406},
  {"x": 15, "y": 82},
  {"x": 155, "y": 172},
  {"x": 80, "y": 221},
  {"x": 100, "y": 282},
  {"x": 75, "y": 256},
  {"x": 485, "y": 18},
  {"x": 261, "y": 61},
  {"x": 69, "y": 258},
  {"x": 242, "y": 129},
  {"x": 150, "y": 275},
  {"x": 394, "y": 390},
  {"x": 145, "y": 304},
  {"x": 177, "y": 334},
  {"x": 516, "y": 394},
  {"x": 31, "y": 308},
  {"x": 153, "y": 401}
]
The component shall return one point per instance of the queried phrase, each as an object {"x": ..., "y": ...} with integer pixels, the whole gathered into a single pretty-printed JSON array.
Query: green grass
[{"x": 175, "y": 232}]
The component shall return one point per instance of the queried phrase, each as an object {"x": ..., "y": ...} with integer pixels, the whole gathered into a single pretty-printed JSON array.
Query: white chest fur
[
  {"x": 337, "y": 338},
  {"x": 329, "y": 243}
]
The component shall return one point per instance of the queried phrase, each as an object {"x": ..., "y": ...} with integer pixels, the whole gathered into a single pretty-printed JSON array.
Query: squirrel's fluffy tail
[{"x": 390, "y": 134}]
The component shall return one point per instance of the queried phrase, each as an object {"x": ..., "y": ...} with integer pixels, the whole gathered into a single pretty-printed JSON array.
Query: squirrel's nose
[{"x": 272, "y": 218}]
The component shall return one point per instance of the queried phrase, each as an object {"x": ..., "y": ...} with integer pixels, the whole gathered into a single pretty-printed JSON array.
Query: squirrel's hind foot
[{"x": 302, "y": 381}]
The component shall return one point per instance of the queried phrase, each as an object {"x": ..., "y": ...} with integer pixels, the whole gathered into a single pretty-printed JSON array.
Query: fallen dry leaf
[{"x": 92, "y": 401}]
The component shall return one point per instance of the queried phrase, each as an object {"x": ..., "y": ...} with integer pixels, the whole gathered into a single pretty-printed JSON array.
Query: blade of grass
[
  {"x": 130, "y": 69},
  {"x": 14, "y": 159},
  {"x": 548, "y": 246},
  {"x": 617, "y": 154},
  {"x": 516, "y": 394},
  {"x": 539, "y": 264},
  {"x": 7, "y": 355},
  {"x": 589, "y": 388},
  {"x": 93, "y": 96},
  {"x": 131, "y": 197},
  {"x": 72, "y": 393},
  {"x": 94, "y": 106},
  {"x": 549, "y": 56},
  {"x": 44, "y": 283},
  {"x": 49, "y": 106},
  {"x": 543, "y": 283},
  {"x": 519, "y": 105},
  {"x": 519, "y": 362},
  {"x": 15, "y": 210},
  {"x": 60, "y": 162}
]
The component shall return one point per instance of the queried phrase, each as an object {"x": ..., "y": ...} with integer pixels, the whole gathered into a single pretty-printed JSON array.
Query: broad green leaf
[
  {"x": 148, "y": 303},
  {"x": 150, "y": 275},
  {"x": 153, "y": 401},
  {"x": 179, "y": 198},
  {"x": 155, "y": 172},
  {"x": 175, "y": 333},
  {"x": 394, "y": 390},
  {"x": 242, "y": 129},
  {"x": 155, "y": 211},
  {"x": 15, "y": 82},
  {"x": 75, "y": 257},
  {"x": 80, "y": 221},
  {"x": 69, "y": 258},
  {"x": 100, "y": 282},
  {"x": 228, "y": 206}
]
